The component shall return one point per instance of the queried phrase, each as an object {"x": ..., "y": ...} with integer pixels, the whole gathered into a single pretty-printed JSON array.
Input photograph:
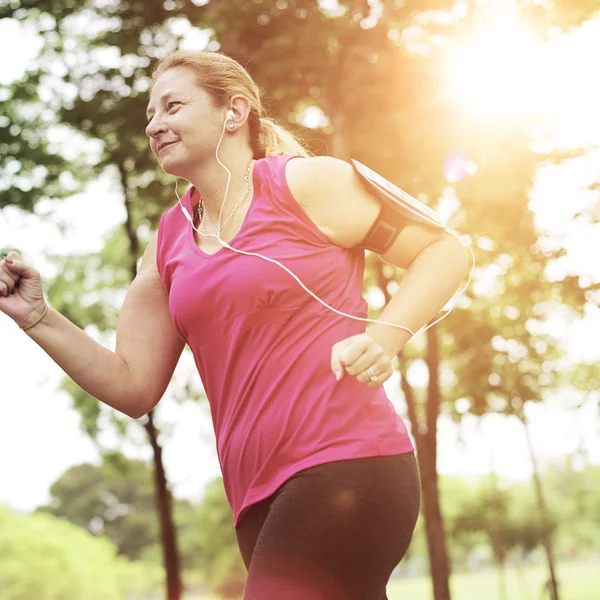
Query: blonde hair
[{"x": 222, "y": 77}]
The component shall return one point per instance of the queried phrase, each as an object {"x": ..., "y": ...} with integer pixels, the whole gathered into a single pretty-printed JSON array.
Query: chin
[{"x": 175, "y": 168}]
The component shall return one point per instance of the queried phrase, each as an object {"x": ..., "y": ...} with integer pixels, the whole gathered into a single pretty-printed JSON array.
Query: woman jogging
[{"x": 318, "y": 468}]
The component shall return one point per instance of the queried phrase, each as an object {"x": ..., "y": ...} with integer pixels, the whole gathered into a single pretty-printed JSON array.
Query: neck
[{"x": 211, "y": 181}]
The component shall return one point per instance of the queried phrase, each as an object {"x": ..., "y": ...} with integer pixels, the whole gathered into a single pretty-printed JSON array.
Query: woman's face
[{"x": 183, "y": 124}]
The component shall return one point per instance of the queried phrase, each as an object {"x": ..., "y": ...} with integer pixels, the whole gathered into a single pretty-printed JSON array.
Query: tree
[
  {"x": 521, "y": 525},
  {"x": 115, "y": 500},
  {"x": 340, "y": 61},
  {"x": 573, "y": 496},
  {"x": 30, "y": 169},
  {"x": 43, "y": 557},
  {"x": 220, "y": 561},
  {"x": 112, "y": 94}
]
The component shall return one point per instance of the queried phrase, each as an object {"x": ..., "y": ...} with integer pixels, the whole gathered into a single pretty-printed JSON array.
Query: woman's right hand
[{"x": 21, "y": 293}]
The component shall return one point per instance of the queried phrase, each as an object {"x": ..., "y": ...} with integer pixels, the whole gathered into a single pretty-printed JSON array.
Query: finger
[
  {"x": 356, "y": 347},
  {"x": 365, "y": 377},
  {"x": 336, "y": 364},
  {"x": 7, "y": 284},
  {"x": 382, "y": 373},
  {"x": 14, "y": 255},
  {"x": 381, "y": 379},
  {"x": 5, "y": 270},
  {"x": 373, "y": 355},
  {"x": 18, "y": 267}
]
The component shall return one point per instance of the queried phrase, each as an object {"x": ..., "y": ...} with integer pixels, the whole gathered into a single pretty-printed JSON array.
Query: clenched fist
[
  {"x": 363, "y": 357},
  {"x": 21, "y": 293}
]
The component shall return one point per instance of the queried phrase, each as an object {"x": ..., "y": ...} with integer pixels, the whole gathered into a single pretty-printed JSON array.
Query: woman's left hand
[{"x": 362, "y": 357}]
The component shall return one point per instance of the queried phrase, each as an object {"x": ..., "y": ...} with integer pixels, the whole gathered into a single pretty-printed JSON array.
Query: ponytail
[{"x": 275, "y": 140}]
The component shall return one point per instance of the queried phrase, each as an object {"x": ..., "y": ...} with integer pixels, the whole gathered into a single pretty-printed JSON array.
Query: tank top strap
[{"x": 273, "y": 184}]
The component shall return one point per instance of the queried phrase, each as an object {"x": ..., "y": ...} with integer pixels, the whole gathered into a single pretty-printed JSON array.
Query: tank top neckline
[{"x": 253, "y": 201}]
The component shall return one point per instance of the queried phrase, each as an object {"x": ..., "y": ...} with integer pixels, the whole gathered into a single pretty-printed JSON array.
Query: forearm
[
  {"x": 430, "y": 281},
  {"x": 95, "y": 368}
]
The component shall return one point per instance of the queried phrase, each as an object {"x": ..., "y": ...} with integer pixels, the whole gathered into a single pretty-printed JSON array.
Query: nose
[{"x": 155, "y": 128}]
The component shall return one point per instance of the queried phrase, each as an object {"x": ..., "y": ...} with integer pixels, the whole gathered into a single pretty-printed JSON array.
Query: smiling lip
[{"x": 162, "y": 146}]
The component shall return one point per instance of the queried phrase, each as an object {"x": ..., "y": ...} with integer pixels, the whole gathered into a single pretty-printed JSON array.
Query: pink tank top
[{"x": 262, "y": 344}]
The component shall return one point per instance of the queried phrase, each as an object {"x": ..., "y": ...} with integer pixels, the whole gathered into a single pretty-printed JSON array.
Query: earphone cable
[{"x": 271, "y": 260}]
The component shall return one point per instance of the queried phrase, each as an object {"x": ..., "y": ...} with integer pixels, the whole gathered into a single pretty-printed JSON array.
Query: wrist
[
  {"x": 34, "y": 318},
  {"x": 391, "y": 339}
]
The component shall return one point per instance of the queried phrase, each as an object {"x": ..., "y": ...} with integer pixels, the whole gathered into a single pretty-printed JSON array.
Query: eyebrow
[{"x": 165, "y": 95}]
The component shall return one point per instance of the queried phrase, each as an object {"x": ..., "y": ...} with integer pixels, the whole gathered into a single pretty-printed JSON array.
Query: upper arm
[
  {"x": 147, "y": 339},
  {"x": 330, "y": 192}
]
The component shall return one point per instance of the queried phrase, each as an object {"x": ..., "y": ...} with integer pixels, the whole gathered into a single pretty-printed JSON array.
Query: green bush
[{"x": 45, "y": 558}]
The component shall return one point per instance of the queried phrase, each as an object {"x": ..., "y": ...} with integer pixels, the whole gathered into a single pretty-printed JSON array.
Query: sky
[{"x": 40, "y": 435}]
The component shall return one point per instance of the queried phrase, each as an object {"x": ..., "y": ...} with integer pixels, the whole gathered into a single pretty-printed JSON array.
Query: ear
[{"x": 240, "y": 106}]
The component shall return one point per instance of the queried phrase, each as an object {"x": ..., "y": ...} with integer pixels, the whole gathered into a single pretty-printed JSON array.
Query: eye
[{"x": 169, "y": 107}]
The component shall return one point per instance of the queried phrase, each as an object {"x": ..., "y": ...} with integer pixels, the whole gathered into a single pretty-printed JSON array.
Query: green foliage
[
  {"x": 385, "y": 107},
  {"x": 47, "y": 559},
  {"x": 30, "y": 170},
  {"x": 578, "y": 581},
  {"x": 505, "y": 517},
  {"x": 218, "y": 554},
  {"x": 89, "y": 288},
  {"x": 115, "y": 499},
  {"x": 574, "y": 498},
  {"x": 88, "y": 291},
  {"x": 353, "y": 48},
  {"x": 509, "y": 520}
]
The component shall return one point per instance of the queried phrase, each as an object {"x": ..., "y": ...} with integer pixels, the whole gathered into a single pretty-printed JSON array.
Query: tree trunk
[
  {"x": 548, "y": 545},
  {"x": 165, "y": 510},
  {"x": 496, "y": 529},
  {"x": 434, "y": 529},
  {"x": 338, "y": 93},
  {"x": 164, "y": 502},
  {"x": 425, "y": 434}
]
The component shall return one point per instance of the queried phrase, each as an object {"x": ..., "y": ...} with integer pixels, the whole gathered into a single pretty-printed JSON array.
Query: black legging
[{"x": 331, "y": 532}]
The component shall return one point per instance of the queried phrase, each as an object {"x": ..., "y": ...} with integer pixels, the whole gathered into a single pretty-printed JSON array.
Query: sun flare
[
  {"x": 496, "y": 72},
  {"x": 503, "y": 71}
]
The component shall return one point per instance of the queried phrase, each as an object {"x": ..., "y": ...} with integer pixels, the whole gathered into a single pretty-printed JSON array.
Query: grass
[{"x": 577, "y": 581}]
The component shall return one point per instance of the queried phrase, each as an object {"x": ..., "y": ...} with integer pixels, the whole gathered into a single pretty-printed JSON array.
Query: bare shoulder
[
  {"x": 331, "y": 194},
  {"x": 317, "y": 173},
  {"x": 149, "y": 264},
  {"x": 148, "y": 276}
]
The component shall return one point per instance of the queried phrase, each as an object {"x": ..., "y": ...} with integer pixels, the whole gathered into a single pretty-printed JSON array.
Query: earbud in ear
[{"x": 230, "y": 116}]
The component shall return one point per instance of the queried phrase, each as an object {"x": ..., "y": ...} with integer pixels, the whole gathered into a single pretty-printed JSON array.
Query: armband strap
[
  {"x": 397, "y": 209},
  {"x": 383, "y": 232}
]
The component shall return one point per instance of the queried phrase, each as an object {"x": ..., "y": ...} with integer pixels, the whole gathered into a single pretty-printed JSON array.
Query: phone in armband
[{"x": 396, "y": 208}]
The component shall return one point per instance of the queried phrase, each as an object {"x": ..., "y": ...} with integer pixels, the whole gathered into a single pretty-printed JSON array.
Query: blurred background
[{"x": 487, "y": 110}]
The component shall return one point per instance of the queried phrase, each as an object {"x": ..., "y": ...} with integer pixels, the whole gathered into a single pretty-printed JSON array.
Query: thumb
[
  {"x": 16, "y": 265},
  {"x": 336, "y": 364},
  {"x": 14, "y": 255}
]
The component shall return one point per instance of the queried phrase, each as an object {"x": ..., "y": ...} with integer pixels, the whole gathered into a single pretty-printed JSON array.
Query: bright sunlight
[
  {"x": 495, "y": 72},
  {"x": 503, "y": 71}
]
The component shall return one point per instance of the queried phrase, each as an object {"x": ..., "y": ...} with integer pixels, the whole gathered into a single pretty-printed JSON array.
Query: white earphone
[{"x": 231, "y": 116}]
